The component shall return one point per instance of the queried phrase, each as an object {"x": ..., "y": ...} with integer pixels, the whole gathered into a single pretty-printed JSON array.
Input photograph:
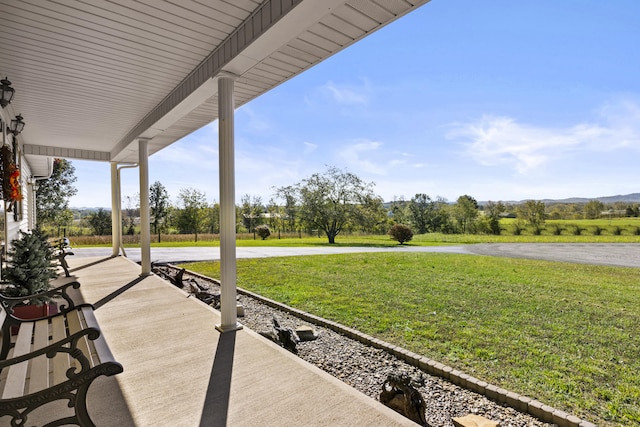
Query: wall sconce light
[
  {"x": 6, "y": 92},
  {"x": 16, "y": 125}
]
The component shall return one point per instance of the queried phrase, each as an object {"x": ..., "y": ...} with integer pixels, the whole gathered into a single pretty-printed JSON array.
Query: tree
[
  {"x": 100, "y": 222},
  {"x": 159, "y": 207},
  {"x": 401, "y": 233},
  {"x": 429, "y": 215},
  {"x": 421, "y": 208},
  {"x": 191, "y": 218},
  {"x": 399, "y": 211},
  {"x": 329, "y": 201},
  {"x": 252, "y": 210},
  {"x": 63, "y": 219},
  {"x": 213, "y": 223},
  {"x": 288, "y": 194},
  {"x": 53, "y": 194},
  {"x": 493, "y": 211},
  {"x": 592, "y": 209},
  {"x": 275, "y": 216},
  {"x": 465, "y": 212},
  {"x": 131, "y": 212},
  {"x": 533, "y": 212},
  {"x": 372, "y": 214}
]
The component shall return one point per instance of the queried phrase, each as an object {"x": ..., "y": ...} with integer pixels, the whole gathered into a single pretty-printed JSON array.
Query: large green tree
[
  {"x": 331, "y": 200},
  {"x": 493, "y": 211},
  {"x": 533, "y": 212},
  {"x": 429, "y": 215},
  {"x": 53, "y": 195},
  {"x": 465, "y": 212},
  {"x": 193, "y": 211},
  {"x": 421, "y": 208},
  {"x": 158, "y": 207},
  {"x": 100, "y": 222}
]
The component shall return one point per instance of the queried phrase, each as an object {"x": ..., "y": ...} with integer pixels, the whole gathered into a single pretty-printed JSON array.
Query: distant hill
[{"x": 630, "y": 198}]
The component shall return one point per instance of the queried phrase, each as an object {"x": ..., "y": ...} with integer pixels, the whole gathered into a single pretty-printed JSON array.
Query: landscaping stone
[
  {"x": 306, "y": 333},
  {"x": 472, "y": 420}
]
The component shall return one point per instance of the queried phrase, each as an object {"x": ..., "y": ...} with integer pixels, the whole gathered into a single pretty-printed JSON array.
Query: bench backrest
[{"x": 41, "y": 372}]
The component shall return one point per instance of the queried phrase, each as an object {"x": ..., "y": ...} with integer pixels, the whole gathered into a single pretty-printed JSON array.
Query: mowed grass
[{"x": 565, "y": 334}]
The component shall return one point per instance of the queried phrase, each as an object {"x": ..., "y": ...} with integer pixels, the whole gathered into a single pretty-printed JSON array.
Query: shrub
[
  {"x": 616, "y": 230},
  {"x": 554, "y": 229},
  {"x": 576, "y": 230},
  {"x": 597, "y": 230},
  {"x": 517, "y": 228},
  {"x": 263, "y": 231},
  {"x": 536, "y": 229},
  {"x": 400, "y": 233}
]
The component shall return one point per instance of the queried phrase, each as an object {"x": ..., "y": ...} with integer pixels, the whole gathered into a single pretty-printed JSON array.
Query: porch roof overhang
[{"x": 92, "y": 77}]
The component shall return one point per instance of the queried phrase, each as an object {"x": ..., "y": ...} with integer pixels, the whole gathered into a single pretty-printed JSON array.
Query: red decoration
[{"x": 14, "y": 183}]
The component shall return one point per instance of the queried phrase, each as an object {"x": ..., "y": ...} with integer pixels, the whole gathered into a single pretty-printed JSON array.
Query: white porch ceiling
[{"x": 92, "y": 76}]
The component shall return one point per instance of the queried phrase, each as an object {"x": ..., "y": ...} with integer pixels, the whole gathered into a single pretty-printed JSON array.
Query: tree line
[{"x": 327, "y": 203}]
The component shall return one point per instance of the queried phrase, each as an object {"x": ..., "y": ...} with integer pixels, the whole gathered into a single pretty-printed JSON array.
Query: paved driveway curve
[{"x": 615, "y": 254}]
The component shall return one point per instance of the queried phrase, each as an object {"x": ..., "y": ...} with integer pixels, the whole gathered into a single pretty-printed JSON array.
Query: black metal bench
[
  {"x": 62, "y": 251},
  {"x": 51, "y": 358}
]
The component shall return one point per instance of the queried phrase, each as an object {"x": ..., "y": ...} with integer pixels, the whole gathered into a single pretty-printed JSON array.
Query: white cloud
[
  {"x": 310, "y": 147},
  {"x": 360, "y": 155},
  {"x": 349, "y": 94},
  {"x": 496, "y": 140},
  {"x": 255, "y": 122},
  {"x": 371, "y": 157}
]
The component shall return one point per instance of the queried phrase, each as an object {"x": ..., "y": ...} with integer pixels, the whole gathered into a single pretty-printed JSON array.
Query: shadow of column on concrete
[
  {"x": 119, "y": 291},
  {"x": 216, "y": 404}
]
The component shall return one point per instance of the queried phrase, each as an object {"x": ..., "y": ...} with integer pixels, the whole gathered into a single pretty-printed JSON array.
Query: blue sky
[{"x": 500, "y": 100}]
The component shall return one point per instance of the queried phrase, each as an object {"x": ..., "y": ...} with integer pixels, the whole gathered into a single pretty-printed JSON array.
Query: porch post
[
  {"x": 227, "y": 204},
  {"x": 115, "y": 210},
  {"x": 145, "y": 227}
]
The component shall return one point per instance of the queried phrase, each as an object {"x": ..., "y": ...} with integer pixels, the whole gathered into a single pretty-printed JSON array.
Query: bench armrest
[{"x": 59, "y": 292}]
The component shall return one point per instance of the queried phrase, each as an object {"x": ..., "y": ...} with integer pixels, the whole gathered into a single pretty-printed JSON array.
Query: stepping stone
[{"x": 472, "y": 420}]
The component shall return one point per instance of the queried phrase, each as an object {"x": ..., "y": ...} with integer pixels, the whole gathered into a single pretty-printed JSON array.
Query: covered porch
[
  {"x": 181, "y": 371},
  {"x": 120, "y": 81}
]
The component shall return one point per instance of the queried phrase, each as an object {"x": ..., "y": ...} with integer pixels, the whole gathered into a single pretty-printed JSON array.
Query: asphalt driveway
[{"x": 614, "y": 254}]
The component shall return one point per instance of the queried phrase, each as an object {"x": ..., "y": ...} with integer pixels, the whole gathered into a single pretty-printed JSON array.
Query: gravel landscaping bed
[{"x": 366, "y": 368}]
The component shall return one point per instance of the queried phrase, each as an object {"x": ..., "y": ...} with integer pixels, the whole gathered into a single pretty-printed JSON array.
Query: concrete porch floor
[{"x": 180, "y": 371}]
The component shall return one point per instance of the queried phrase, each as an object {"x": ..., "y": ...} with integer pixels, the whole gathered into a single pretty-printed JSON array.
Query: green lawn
[{"x": 565, "y": 334}]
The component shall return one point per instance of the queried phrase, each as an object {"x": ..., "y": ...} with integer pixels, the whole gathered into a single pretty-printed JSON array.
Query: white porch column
[
  {"x": 115, "y": 210},
  {"x": 227, "y": 205},
  {"x": 145, "y": 227}
]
